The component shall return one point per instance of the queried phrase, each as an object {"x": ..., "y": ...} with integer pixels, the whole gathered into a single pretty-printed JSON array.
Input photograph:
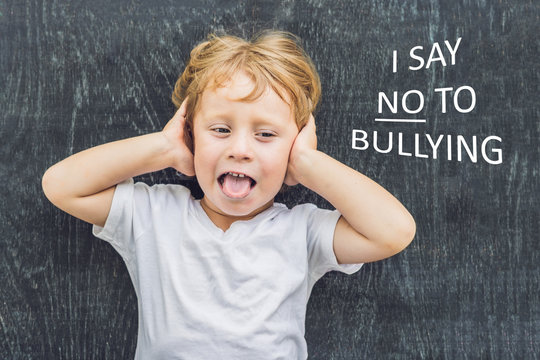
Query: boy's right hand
[{"x": 181, "y": 157}]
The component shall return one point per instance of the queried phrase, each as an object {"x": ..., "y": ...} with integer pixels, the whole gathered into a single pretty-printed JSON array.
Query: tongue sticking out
[{"x": 236, "y": 187}]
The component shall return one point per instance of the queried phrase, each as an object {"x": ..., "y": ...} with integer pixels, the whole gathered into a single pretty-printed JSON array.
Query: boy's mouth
[{"x": 236, "y": 185}]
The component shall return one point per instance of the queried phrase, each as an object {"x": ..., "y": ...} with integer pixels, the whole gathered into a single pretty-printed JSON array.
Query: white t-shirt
[{"x": 208, "y": 294}]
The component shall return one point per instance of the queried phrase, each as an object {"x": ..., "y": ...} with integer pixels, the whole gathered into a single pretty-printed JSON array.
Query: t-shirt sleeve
[
  {"x": 122, "y": 226},
  {"x": 321, "y": 225}
]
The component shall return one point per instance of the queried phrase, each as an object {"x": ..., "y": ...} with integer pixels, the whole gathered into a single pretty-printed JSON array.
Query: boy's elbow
[
  {"x": 407, "y": 232},
  {"x": 402, "y": 235},
  {"x": 48, "y": 185},
  {"x": 411, "y": 231}
]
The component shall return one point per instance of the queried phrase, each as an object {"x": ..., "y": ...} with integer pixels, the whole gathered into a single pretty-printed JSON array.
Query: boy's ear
[
  {"x": 188, "y": 126},
  {"x": 188, "y": 136}
]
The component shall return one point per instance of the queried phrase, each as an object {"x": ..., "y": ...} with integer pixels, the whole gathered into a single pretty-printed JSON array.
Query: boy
[{"x": 229, "y": 276}]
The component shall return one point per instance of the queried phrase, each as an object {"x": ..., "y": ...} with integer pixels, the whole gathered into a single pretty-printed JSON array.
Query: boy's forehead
[
  {"x": 259, "y": 114},
  {"x": 220, "y": 98}
]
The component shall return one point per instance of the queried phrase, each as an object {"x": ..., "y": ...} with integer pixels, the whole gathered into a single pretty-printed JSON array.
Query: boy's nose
[{"x": 240, "y": 148}]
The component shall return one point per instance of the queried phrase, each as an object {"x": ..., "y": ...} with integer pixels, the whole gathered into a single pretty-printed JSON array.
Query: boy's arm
[
  {"x": 374, "y": 224},
  {"x": 83, "y": 184}
]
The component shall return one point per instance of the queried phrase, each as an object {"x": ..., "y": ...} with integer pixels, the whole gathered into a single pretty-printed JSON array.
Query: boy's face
[{"x": 241, "y": 149}]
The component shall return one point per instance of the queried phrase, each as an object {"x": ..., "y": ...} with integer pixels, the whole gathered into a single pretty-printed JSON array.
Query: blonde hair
[{"x": 272, "y": 59}]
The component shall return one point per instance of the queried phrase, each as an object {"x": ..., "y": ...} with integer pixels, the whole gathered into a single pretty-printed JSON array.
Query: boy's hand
[
  {"x": 305, "y": 141},
  {"x": 181, "y": 157}
]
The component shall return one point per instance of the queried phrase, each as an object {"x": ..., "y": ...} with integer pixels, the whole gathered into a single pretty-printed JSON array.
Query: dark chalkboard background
[{"x": 76, "y": 74}]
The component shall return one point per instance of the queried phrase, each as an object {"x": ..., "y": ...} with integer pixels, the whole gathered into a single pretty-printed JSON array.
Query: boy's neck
[{"x": 223, "y": 220}]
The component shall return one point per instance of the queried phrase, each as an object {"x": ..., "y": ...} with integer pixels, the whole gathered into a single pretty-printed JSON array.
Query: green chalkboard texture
[{"x": 464, "y": 161}]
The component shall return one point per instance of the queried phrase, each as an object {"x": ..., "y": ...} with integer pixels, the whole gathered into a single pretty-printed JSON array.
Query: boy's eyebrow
[{"x": 258, "y": 119}]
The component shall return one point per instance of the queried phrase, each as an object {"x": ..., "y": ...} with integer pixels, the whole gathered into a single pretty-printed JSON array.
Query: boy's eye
[
  {"x": 266, "y": 134},
  {"x": 221, "y": 130}
]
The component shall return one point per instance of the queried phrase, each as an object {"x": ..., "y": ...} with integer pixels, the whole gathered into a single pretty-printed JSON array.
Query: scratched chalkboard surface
[{"x": 435, "y": 100}]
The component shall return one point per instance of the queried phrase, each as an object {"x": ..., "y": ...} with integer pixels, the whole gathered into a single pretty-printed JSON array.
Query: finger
[
  {"x": 310, "y": 124},
  {"x": 311, "y": 120},
  {"x": 183, "y": 107},
  {"x": 181, "y": 112},
  {"x": 312, "y": 130}
]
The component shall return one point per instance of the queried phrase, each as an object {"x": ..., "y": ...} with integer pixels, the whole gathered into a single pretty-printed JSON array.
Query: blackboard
[{"x": 81, "y": 73}]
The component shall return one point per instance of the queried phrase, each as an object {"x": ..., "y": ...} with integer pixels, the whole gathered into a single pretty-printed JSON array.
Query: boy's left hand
[{"x": 305, "y": 141}]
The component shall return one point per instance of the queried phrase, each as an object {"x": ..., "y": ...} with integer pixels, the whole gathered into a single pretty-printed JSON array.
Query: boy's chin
[{"x": 245, "y": 211}]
